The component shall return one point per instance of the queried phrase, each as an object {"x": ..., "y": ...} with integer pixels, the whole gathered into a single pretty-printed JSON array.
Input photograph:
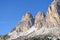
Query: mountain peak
[
  {"x": 27, "y": 16},
  {"x": 39, "y": 25},
  {"x": 39, "y": 15},
  {"x": 53, "y": 14},
  {"x": 39, "y": 19}
]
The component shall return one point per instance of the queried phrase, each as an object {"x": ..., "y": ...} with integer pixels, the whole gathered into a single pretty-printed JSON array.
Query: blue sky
[{"x": 11, "y": 11}]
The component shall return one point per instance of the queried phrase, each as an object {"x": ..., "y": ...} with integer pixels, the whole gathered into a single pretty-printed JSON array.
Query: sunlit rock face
[
  {"x": 39, "y": 20},
  {"x": 39, "y": 25},
  {"x": 26, "y": 22},
  {"x": 53, "y": 15}
]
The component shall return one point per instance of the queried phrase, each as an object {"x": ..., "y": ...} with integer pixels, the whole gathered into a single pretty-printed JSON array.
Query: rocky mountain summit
[
  {"x": 26, "y": 23},
  {"x": 39, "y": 25}
]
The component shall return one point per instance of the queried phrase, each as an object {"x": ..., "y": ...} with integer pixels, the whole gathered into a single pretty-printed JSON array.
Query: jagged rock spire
[
  {"x": 39, "y": 19},
  {"x": 39, "y": 16},
  {"x": 53, "y": 13},
  {"x": 26, "y": 22},
  {"x": 27, "y": 16},
  {"x": 39, "y": 25}
]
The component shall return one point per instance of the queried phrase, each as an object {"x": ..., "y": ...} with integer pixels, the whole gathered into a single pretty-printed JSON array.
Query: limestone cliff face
[
  {"x": 39, "y": 20},
  {"x": 53, "y": 15},
  {"x": 26, "y": 22},
  {"x": 31, "y": 26}
]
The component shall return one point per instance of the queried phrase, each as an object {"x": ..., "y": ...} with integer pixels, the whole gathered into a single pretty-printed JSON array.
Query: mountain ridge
[{"x": 31, "y": 26}]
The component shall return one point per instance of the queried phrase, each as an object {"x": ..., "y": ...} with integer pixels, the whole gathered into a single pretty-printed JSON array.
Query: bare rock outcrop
[
  {"x": 39, "y": 20},
  {"x": 31, "y": 26},
  {"x": 26, "y": 22},
  {"x": 53, "y": 15}
]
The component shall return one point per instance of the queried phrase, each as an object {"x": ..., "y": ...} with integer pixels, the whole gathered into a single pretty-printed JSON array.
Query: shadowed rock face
[{"x": 31, "y": 26}]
